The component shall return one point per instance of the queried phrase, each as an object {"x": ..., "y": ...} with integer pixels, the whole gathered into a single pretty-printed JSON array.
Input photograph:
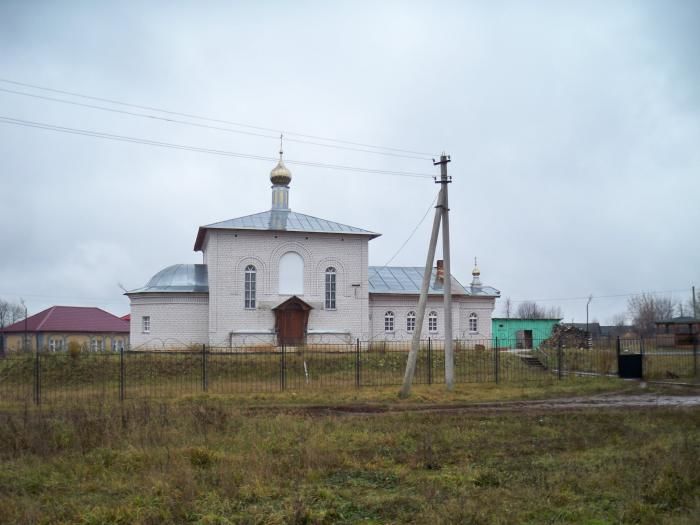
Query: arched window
[
  {"x": 250, "y": 278},
  {"x": 389, "y": 321},
  {"x": 330, "y": 288},
  {"x": 411, "y": 321},
  {"x": 473, "y": 323},
  {"x": 432, "y": 321},
  {"x": 291, "y": 274}
]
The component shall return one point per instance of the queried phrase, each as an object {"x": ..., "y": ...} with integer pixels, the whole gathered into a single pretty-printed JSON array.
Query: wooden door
[{"x": 291, "y": 325}]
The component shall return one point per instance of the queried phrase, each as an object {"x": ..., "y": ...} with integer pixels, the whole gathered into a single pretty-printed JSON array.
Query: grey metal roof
[
  {"x": 408, "y": 279},
  {"x": 178, "y": 278},
  {"x": 284, "y": 220}
]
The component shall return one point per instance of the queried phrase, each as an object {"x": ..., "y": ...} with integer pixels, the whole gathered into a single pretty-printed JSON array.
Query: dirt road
[{"x": 690, "y": 399}]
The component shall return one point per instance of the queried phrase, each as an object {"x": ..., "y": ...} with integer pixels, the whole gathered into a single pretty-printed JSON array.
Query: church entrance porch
[{"x": 291, "y": 319}]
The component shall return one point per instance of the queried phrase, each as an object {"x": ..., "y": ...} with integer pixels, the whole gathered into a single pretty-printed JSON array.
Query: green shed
[{"x": 521, "y": 333}]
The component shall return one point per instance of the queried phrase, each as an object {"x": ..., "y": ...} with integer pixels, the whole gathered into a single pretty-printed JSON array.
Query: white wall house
[{"x": 281, "y": 276}]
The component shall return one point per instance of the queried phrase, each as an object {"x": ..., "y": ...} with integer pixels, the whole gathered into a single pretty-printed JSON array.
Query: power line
[
  {"x": 412, "y": 233},
  {"x": 207, "y": 126},
  {"x": 426, "y": 156},
  {"x": 585, "y": 298},
  {"x": 197, "y": 149}
]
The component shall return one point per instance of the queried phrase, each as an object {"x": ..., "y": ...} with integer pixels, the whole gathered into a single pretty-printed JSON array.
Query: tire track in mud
[{"x": 602, "y": 401}]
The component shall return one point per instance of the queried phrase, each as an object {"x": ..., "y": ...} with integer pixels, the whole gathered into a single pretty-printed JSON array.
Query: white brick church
[{"x": 284, "y": 277}]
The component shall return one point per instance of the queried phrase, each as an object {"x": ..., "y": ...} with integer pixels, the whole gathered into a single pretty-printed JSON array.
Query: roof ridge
[
  {"x": 289, "y": 211},
  {"x": 48, "y": 314}
]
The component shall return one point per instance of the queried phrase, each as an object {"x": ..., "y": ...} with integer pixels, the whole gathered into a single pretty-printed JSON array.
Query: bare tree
[
  {"x": 554, "y": 312},
  {"x": 507, "y": 307},
  {"x": 646, "y": 309},
  {"x": 530, "y": 310},
  {"x": 619, "y": 320},
  {"x": 10, "y": 313}
]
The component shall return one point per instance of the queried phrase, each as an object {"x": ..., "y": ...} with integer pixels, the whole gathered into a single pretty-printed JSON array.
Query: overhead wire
[
  {"x": 427, "y": 156},
  {"x": 208, "y": 126},
  {"x": 585, "y": 298},
  {"x": 197, "y": 149},
  {"x": 432, "y": 204}
]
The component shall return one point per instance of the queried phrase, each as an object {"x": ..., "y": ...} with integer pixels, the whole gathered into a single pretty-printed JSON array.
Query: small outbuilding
[{"x": 521, "y": 333}]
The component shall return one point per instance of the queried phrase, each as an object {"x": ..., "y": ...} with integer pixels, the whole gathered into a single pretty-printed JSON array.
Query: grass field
[{"x": 220, "y": 460}]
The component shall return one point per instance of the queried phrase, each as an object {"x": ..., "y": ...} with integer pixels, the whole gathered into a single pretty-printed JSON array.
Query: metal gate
[{"x": 630, "y": 361}]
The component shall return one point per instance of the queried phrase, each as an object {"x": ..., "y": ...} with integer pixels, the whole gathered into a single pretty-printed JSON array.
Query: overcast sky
[{"x": 574, "y": 131}]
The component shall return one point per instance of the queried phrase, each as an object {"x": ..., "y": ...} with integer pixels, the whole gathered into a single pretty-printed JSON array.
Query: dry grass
[{"x": 207, "y": 461}]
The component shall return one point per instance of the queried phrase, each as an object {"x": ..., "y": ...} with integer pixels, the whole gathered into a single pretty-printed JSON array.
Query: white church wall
[
  {"x": 176, "y": 320},
  {"x": 401, "y": 305},
  {"x": 229, "y": 252}
]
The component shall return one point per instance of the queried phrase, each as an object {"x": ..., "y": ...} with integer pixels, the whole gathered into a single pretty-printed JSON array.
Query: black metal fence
[{"x": 86, "y": 377}]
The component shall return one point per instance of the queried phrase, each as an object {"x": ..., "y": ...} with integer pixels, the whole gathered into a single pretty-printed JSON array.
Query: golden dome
[{"x": 280, "y": 174}]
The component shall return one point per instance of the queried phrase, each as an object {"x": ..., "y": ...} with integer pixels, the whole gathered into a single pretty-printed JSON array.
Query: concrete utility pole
[
  {"x": 440, "y": 214},
  {"x": 447, "y": 286}
]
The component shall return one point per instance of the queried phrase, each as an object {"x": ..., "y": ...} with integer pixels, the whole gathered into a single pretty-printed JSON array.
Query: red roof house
[{"x": 55, "y": 328}]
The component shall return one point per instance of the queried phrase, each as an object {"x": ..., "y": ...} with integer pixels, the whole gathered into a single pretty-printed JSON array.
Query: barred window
[
  {"x": 389, "y": 321},
  {"x": 411, "y": 321},
  {"x": 250, "y": 282},
  {"x": 432, "y": 321},
  {"x": 473, "y": 323},
  {"x": 330, "y": 288}
]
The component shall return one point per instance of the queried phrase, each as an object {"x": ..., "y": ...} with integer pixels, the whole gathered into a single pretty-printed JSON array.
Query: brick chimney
[{"x": 440, "y": 274}]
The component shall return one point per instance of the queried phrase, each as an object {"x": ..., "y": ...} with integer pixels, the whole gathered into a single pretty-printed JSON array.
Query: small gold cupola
[
  {"x": 280, "y": 177},
  {"x": 476, "y": 280}
]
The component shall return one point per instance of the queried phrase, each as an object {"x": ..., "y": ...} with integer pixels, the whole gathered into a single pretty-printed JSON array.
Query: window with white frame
[
  {"x": 56, "y": 344},
  {"x": 146, "y": 324},
  {"x": 473, "y": 323},
  {"x": 117, "y": 344},
  {"x": 331, "y": 276},
  {"x": 389, "y": 321},
  {"x": 432, "y": 321},
  {"x": 96, "y": 344},
  {"x": 250, "y": 286},
  {"x": 411, "y": 321}
]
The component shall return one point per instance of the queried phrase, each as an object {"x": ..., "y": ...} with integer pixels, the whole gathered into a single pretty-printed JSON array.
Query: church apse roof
[
  {"x": 177, "y": 278},
  {"x": 281, "y": 220},
  {"x": 407, "y": 280}
]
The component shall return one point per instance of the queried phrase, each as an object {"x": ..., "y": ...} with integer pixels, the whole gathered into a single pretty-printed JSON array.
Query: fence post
[
  {"x": 282, "y": 367},
  {"x": 560, "y": 359},
  {"x": 430, "y": 362},
  {"x": 357, "y": 363},
  {"x": 205, "y": 379},
  {"x": 496, "y": 358},
  {"x": 695, "y": 355},
  {"x": 37, "y": 378},
  {"x": 121, "y": 374}
]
